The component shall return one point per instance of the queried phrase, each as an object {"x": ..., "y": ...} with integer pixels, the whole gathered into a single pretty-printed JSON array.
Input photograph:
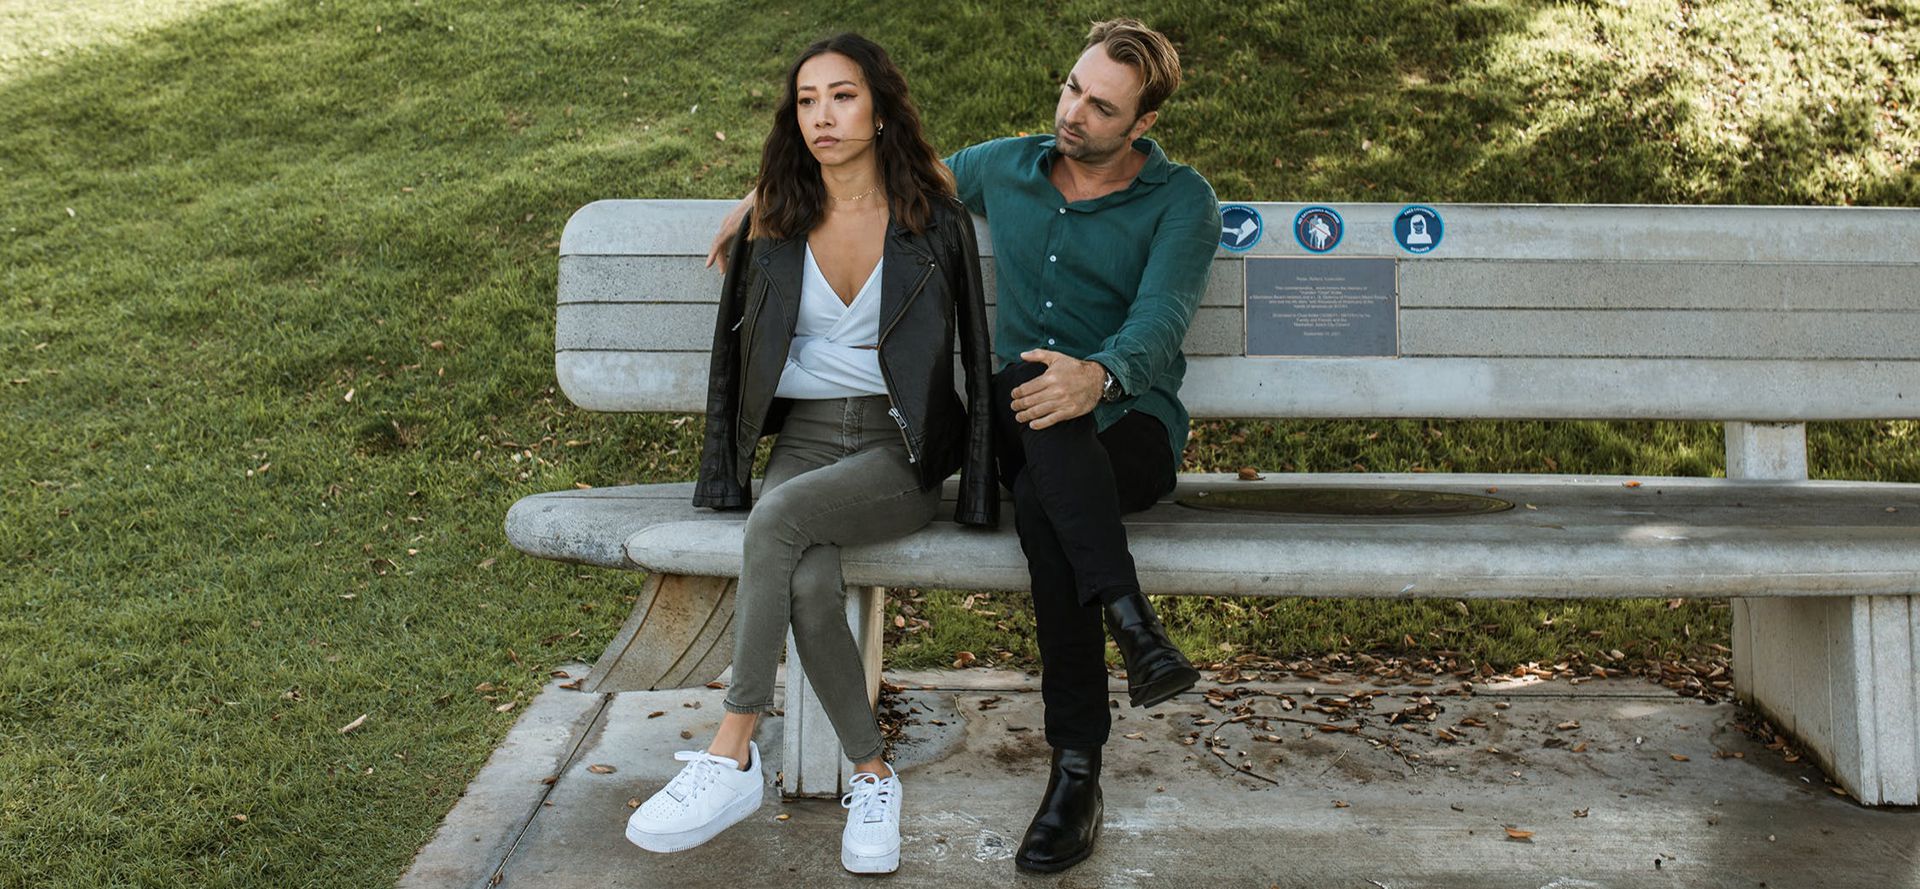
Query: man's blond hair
[{"x": 1144, "y": 50}]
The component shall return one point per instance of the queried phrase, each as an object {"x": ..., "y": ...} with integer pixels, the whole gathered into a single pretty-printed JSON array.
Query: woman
[{"x": 843, "y": 292}]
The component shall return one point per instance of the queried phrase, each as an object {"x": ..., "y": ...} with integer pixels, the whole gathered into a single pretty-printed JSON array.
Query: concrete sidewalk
[{"x": 1645, "y": 791}]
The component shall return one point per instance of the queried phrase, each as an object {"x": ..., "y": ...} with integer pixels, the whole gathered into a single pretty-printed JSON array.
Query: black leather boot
[
  {"x": 1156, "y": 670},
  {"x": 1063, "y": 831}
]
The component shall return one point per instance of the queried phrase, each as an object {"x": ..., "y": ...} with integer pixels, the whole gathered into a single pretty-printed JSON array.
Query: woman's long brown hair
[{"x": 790, "y": 198}]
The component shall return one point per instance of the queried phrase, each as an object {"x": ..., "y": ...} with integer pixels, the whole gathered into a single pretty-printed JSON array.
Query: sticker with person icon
[
  {"x": 1418, "y": 229},
  {"x": 1318, "y": 229}
]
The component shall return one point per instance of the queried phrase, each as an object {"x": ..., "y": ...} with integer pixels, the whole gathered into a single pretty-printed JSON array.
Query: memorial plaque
[{"x": 1314, "y": 307}]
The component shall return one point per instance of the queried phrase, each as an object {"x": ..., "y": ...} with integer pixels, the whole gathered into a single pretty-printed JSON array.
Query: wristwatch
[{"x": 1110, "y": 390}]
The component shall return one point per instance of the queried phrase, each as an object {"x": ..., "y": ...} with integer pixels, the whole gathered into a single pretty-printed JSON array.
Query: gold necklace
[{"x": 850, "y": 200}]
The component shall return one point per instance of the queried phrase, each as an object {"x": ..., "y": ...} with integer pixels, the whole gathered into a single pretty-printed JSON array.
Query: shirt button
[
  {"x": 1049, "y": 341},
  {"x": 1063, "y": 211},
  {"x": 1049, "y": 304},
  {"x": 1051, "y": 258}
]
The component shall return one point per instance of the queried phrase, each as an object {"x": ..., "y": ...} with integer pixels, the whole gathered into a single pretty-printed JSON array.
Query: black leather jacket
[{"x": 929, "y": 287}]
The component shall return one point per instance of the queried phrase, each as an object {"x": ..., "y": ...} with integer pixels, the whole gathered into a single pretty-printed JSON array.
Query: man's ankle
[{"x": 1114, "y": 594}]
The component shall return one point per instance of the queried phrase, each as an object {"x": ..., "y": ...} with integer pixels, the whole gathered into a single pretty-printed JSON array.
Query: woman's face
[{"x": 835, "y": 109}]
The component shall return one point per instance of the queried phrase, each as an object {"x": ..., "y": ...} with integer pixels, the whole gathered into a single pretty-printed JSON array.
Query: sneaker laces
[
  {"x": 704, "y": 770},
  {"x": 869, "y": 798}
]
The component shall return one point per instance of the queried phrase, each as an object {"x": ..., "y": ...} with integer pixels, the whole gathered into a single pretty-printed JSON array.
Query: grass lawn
[{"x": 276, "y": 308}]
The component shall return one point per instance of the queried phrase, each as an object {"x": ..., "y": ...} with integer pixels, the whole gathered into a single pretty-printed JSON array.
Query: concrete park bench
[{"x": 1762, "y": 318}]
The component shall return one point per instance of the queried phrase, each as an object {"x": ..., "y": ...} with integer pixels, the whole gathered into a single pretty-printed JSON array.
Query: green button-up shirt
[{"x": 1115, "y": 279}]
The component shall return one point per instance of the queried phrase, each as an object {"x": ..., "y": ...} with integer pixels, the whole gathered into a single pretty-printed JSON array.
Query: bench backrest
[{"x": 1526, "y": 311}]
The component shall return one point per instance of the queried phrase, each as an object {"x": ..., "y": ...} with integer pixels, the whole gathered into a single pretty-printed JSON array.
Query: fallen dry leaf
[
  {"x": 504, "y": 707},
  {"x": 1250, "y": 474},
  {"x": 354, "y": 724},
  {"x": 601, "y": 768},
  {"x": 1342, "y": 804},
  {"x": 1678, "y": 757},
  {"x": 1518, "y": 834},
  {"x": 1634, "y": 484}
]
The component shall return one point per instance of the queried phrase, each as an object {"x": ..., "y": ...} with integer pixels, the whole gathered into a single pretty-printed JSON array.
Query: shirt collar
[{"x": 1157, "y": 170}]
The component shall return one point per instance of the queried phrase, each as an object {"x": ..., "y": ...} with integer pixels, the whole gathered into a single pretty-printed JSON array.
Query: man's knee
[{"x": 1013, "y": 376}]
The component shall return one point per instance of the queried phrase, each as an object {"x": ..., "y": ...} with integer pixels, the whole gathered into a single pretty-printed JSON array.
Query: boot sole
[
  {"x": 1163, "y": 689},
  {"x": 1054, "y": 867}
]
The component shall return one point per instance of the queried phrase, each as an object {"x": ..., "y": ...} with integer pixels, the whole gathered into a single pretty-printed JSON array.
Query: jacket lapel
[
  {"x": 904, "y": 264},
  {"x": 782, "y": 265}
]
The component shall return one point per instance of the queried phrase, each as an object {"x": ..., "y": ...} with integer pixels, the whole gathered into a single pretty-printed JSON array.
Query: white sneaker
[
  {"x": 871, "y": 842},
  {"x": 708, "y": 796}
]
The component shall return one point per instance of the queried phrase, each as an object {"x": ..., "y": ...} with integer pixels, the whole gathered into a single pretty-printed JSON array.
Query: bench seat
[
  {"x": 1585, "y": 536},
  {"x": 1758, "y": 318}
]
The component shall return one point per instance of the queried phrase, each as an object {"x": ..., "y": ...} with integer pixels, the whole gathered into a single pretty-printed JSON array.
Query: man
[{"x": 1102, "y": 248}]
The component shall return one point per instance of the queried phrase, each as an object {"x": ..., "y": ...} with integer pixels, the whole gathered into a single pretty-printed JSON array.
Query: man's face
[{"x": 1097, "y": 115}]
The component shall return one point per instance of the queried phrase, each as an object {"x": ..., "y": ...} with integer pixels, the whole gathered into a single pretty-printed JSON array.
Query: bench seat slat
[{"x": 1585, "y": 537}]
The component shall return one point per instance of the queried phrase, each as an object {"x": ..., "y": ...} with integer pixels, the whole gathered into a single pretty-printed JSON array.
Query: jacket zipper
[{"x": 894, "y": 411}]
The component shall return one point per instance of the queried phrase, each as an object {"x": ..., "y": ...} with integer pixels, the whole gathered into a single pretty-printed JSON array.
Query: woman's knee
[
  {"x": 774, "y": 522},
  {"x": 818, "y": 588}
]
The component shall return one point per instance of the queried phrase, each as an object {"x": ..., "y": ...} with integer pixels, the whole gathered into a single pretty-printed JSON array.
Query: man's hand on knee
[{"x": 1069, "y": 388}]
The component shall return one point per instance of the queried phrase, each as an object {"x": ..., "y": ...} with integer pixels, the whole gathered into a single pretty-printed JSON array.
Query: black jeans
[{"x": 1071, "y": 483}]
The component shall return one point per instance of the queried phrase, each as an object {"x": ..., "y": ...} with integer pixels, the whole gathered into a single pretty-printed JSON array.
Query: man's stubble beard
[{"x": 1087, "y": 151}]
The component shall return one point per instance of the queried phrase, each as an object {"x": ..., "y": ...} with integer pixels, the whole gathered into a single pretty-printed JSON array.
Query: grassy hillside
[{"x": 276, "y": 290}]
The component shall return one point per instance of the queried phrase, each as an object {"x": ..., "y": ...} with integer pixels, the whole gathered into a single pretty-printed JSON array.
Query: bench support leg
[
  {"x": 679, "y": 635},
  {"x": 813, "y": 763},
  {"x": 1841, "y": 674}
]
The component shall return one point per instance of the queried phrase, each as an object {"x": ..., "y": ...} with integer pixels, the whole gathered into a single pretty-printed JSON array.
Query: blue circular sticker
[
  {"x": 1240, "y": 227},
  {"x": 1418, "y": 229},
  {"x": 1318, "y": 229}
]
